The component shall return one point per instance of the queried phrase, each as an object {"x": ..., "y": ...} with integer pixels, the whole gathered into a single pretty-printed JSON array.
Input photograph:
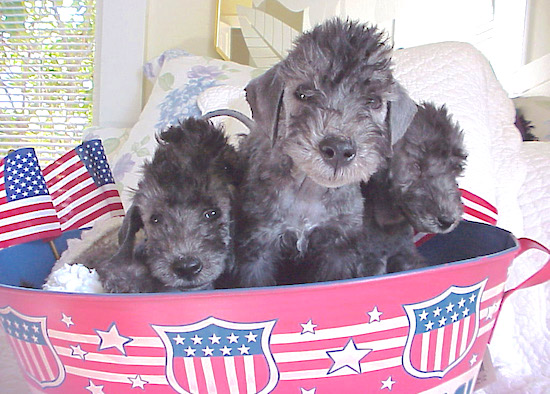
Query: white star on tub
[
  {"x": 374, "y": 314},
  {"x": 308, "y": 327},
  {"x": 306, "y": 391},
  {"x": 67, "y": 320},
  {"x": 423, "y": 315},
  {"x": 387, "y": 384},
  {"x": 112, "y": 338},
  {"x": 92, "y": 388},
  {"x": 78, "y": 352},
  {"x": 251, "y": 337},
  {"x": 473, "y": 360},
  {"x": 138, "y": 382},
  {"x": 350, "y": 356}
]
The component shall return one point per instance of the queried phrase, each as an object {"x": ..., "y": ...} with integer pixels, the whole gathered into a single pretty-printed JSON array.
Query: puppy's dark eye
[
  {"x": 300, "y": 95},
  {"x": 374, "y": 102},
  {"x": 156, "y": 218},
  {"x": 304, "y": 93},
  {"x": 212, "y": 214}
]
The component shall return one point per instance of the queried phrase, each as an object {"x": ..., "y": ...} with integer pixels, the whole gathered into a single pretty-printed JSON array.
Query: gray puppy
[
  {"x": 183, "y": 206},
  {"x": 424, "y": 169},
  {"x": 417, "y": 190},
  {"x": 326, "y": 118}
]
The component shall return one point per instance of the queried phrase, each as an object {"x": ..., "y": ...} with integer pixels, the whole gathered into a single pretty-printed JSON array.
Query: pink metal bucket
[{"x": 419, "y": 331}]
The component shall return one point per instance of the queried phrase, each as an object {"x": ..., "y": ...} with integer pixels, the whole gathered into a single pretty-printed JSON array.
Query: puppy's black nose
[
  {"x": 338, "y": 152},
  {"x": 445, "y": 222},
  {"x": 186, "y": 267}
]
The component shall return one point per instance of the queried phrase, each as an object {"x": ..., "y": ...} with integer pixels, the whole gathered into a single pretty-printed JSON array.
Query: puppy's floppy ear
[
  {"x": 265, "y": 97},
  {"x": 131, "y": 224},
  {"x": 401, "y": 111}
]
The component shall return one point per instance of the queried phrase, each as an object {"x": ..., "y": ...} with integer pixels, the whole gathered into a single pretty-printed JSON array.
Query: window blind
[{"x": 46, "y": 74}]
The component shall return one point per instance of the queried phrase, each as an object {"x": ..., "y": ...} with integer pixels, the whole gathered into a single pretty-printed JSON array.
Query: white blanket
[{"x": 521, "y": 343}]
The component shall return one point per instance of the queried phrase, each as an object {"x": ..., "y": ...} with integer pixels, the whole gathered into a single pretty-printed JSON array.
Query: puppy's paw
[
  {"x": 405, "y": 262},
  {"x": 325, "y": 238},
  {"x": 134, "y": 278}
]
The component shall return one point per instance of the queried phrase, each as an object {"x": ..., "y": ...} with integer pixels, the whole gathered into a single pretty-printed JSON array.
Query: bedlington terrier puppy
[
  {"x": 416, "y": 191},
  {"x": 326, "y": 118},
  {"x": 424, "y": 169},
  {"x": 183, "y": 206}
]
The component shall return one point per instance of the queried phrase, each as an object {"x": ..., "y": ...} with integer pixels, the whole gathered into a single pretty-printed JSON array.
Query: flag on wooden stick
[
  {"x": 82, "y": 186},
  {"x": 26, "y": 209}
]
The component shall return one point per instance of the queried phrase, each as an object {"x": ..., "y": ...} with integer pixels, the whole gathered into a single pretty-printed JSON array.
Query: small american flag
[
  {"x": 82, "y": 186},
  {"x": 26, "y": 209},
  {"x": 477, "y": 209}
]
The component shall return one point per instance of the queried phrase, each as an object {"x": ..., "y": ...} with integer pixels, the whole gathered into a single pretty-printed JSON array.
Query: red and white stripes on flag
[
  {"x": 476, "y": 209},
  {"x": 82, "y": 187},
  {"x": 26, "y": 209}
]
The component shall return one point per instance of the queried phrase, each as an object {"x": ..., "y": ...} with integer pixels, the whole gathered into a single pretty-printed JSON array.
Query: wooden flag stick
[{"x": 54, "y": 250}]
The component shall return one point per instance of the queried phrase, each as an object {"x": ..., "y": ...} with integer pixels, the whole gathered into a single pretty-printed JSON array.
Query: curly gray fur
[
  {"x": 183, "y": 205},
  {"x": 326, "y": 118},
  {"x": 424, "y": 169}
]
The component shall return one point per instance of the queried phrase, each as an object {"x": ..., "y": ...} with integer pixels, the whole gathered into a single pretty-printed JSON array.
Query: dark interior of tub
[{"x": 29, "y": 264}]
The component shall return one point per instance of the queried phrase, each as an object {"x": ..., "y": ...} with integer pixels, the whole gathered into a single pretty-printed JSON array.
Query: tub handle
[{"x": 538, "y": 277}]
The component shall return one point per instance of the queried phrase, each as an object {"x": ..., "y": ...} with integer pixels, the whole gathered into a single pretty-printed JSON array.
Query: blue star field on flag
[
  {"x": 22, "y": 175},
  {"x": 93, "y": 156}
]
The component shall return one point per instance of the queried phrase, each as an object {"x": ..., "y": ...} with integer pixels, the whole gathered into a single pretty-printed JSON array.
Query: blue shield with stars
[
  {"x": 442, "y": 330},
  {"x": 215, "y": 355},
  {"x": 28, "y": 338}
]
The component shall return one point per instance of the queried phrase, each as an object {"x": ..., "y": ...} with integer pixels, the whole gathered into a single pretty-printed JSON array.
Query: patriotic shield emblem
[
  {"x": 29, "y": 340},
  {"x": 215, "y": 355},
  {"x": 442, "y": 330}
]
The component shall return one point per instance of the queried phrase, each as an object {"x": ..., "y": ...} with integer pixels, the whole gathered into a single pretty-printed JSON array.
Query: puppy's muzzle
[
  {"x": 337, "y": 152},
  {"x": 187, "y": 267},
  {"x": 445, "y": 223}
]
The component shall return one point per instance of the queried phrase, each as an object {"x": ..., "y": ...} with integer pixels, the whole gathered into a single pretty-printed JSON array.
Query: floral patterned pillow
[{"x": 179, "y": 79}]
